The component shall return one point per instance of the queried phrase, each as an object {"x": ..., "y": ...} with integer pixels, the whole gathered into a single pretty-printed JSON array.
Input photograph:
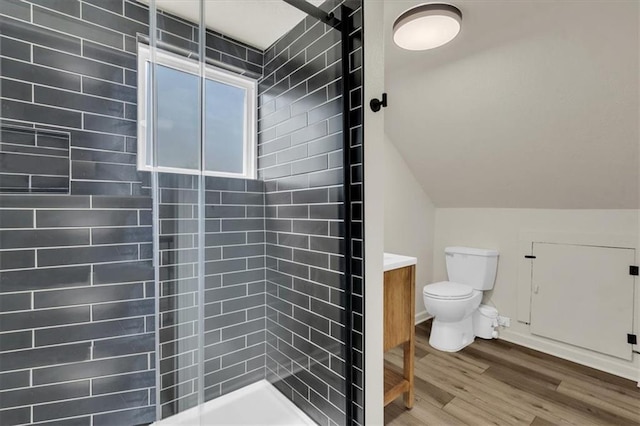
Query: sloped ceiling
[{"x": 534, "y": 105}]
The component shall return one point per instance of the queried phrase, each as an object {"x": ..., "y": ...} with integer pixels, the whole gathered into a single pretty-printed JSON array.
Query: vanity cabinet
[{"x": 399, "y": 329}]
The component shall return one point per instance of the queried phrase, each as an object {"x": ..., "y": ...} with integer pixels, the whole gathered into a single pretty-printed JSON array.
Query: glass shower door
[{"x": 174, "y": 111}]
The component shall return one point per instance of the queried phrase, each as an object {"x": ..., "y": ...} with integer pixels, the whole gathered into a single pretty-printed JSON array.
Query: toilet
[{"x": 452, "y": 303}]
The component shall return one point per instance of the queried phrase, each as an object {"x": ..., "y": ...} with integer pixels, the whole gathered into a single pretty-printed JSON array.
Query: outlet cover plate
[{"x": 504, "y": 321}]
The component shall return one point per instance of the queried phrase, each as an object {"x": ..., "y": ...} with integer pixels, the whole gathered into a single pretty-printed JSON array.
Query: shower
[{"x": 181, "y": 208}]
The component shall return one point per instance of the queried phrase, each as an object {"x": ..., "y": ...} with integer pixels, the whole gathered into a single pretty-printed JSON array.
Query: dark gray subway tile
[
  {"x": 69, "y": 7},
  {"x": 242, "y": 224},
  {"x": 225, "y": 320},
  {"x": 46, "y": 278},
  {"x": 293, "y": 212},
  {"x": 110, "y": 125},
  {"x": 137, "y": 416},
  {"x": 123, "y": 272},
  {"x": 97, "y": 330},
  {"x": 327, "y": 211},
  {"x": 224, "y": 184},
  {"x": 43, "y": 318},
  {"x": 114, "y": 310},
  {"x": 118, "y": 346},
  {"x": 15, "y": 302},
  {"x": 16, "y": 9},
  {"x": 17, "y": 416},
  {"x": 291, "y": 125},
  {"x": 44, "y": 356},
  {"x": 109, "y": 90},
  {"x": 19, "y": 259},
  {"x": 71, "y": 256},
  {"x": 77, "y": 27},
  {"x": 136, "y": 11},
  {"x": 115, "y": 6},
  {"x": 233, "y": 278},
  {"x": 40, "y": 114},
  {"x": 33, "y": 73},
  {"x": 311, "y": 227},
  {"x": 175, "y": 26},
  {"x": 243, "y": 303},
  {"x": 311, "y": 258},
  {"x": 75, "y": 64},
  {"x": 242, "y": 198},
  {"x": 223, "y": 266},
  {"x": 42, "y": 394},
  {"x": 33, "y": 164},
  {"x": 145, "y": 379},
  {"x": 122, "y": 202},
  {"x": 80, "y": 218},
  {"x": 102, "y": 188},
  {"x": 121, "y": 235},
  {"x": 109, "y": 55},
  {"x": 327, "y": 144},
  {"x": 84, "y": 370},
  {"x": 14, "y": 341},
  {"x": 91, "y": 405},
  {"x": 250, "y": 250},
  {"x": 16, "y": 218},
  {"x": 58, "y": 98},
  {"x": 13, "y": 48},
  {"x": 99, "y": 171},
  {"x": 105, "y": 293},
  {"x": 14, "y": 379}
]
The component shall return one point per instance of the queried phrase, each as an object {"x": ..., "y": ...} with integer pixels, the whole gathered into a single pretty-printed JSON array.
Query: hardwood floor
[{"x": 492, "y": 382}]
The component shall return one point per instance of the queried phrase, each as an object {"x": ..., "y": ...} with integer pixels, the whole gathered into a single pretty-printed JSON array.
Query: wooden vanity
[{"x": 399, "y": 324}]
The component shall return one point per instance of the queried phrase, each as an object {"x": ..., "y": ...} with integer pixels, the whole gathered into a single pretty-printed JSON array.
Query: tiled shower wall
[
  {"x": 234, "y": 287},
  {"x": 76, "y": 292},
  {"x": 301, "y": 160}
]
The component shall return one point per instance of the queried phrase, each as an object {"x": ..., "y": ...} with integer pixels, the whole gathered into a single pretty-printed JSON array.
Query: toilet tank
[{"x": 472, "y": 266}]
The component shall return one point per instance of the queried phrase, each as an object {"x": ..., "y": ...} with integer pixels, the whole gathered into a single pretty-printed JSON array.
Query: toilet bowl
[{"x": 452, "y": 303}]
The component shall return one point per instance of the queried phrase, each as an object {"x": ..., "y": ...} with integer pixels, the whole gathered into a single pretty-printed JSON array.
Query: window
[{"x": 226, "y": 147}]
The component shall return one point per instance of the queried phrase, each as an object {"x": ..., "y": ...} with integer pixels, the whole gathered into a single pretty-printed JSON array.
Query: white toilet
[{"x": 452, "y": 303}]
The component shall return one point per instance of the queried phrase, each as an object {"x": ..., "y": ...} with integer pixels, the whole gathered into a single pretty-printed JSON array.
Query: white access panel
[{"x": 583, "y": 295}]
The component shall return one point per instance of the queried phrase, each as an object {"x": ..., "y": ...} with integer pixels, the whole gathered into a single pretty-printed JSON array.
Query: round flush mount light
[{"x": 427, "y": 26}]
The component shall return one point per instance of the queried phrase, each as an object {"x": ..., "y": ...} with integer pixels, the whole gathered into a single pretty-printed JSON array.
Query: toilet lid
[{"x": 448, "y": 290}]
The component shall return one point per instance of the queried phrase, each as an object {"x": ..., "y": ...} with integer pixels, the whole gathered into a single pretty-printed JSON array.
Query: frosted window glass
[
  {"x": 224, "y": 127},
  {"x": 178, "y": 133}
]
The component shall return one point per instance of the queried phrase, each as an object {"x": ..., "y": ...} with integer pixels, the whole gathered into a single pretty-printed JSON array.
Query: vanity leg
[{"x": 408, "y": 373}]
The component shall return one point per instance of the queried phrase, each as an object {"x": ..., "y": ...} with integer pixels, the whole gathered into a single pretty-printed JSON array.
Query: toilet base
[{"x": 451, "y": 336}]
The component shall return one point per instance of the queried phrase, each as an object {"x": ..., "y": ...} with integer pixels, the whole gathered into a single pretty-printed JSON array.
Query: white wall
[
  {"x": 409, "y": 219},
  {"x": 499, "y": 229},
  {"x": 373, "y": 221}
]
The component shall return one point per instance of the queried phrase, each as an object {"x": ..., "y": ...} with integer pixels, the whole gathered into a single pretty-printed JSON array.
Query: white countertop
[{"x": 395, "y": 261}]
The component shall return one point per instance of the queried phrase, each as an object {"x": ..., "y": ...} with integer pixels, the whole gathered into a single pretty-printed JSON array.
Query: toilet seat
[{"x": 448, "y": 290}]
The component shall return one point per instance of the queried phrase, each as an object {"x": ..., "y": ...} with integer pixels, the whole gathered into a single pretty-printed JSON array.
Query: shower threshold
[{"x": 258, "y": 404}]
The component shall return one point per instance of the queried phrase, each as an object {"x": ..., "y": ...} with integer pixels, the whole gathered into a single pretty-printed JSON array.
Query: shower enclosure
[{"x": 180, "y": 210}]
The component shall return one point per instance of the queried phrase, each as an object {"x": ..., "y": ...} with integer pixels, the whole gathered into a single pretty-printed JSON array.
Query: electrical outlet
[{"x": 504, "y": 321}]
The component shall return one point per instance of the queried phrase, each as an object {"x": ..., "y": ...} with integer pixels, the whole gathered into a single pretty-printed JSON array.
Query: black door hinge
[
  {"x": 632, "y": 339},
  {"x": 529, "y": 257},
  {"x": 633, "y": 270}
]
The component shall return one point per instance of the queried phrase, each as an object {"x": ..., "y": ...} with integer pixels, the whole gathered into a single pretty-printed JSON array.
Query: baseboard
[
  {"x": 630, "y": 371},
  {"x": 422, "y": 317}
]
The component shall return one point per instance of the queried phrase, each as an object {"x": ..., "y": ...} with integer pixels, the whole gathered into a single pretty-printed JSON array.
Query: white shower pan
[{"x": 259, "y": 404}]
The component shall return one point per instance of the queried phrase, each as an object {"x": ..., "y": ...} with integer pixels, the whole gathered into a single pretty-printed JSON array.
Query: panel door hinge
[
  {"x": 632, "y": 339},
  {"x": 633, "y": 270}
]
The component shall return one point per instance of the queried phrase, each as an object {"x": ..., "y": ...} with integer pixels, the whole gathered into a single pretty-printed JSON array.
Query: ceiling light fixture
[{"x": 427, "y": 26}]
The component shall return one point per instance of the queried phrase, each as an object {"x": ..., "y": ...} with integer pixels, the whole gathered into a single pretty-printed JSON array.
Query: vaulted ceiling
[{"x": 534, "y": 105}]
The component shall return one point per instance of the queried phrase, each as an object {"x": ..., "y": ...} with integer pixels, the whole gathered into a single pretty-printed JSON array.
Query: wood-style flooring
[{"x": 492, "y": 382}]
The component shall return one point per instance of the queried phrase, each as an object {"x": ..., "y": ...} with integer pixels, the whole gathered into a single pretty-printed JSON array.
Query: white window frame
[{"x": 180, "y": 63}]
